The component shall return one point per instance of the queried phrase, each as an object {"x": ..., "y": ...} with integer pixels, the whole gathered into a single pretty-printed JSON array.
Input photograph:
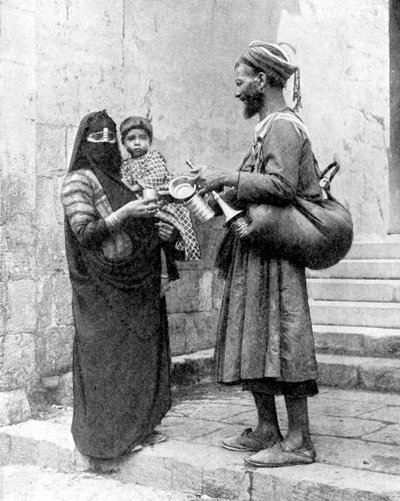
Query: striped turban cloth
[{"x": 264, "y": 56}]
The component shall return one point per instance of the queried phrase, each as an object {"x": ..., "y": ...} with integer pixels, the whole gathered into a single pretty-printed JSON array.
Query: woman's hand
[
  {"x": 166, "y": 231},
  {"x": 209, "y": 178},
  {"x": 141, "y": 208}
]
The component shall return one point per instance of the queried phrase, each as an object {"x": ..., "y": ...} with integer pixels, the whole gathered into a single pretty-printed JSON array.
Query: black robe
[{"x": 121, "y": 357}]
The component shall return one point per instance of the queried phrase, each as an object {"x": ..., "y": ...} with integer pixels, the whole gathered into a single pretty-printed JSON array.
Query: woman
[{"x": 121, "y": 358}]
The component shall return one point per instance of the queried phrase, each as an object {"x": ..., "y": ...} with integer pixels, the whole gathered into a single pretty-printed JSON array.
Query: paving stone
[
  {"x": 390, "y": 434},
  {"x": 206, "y": 409},
  {"x": 389, "y": 413},
  {"x": 186, "y": 428},
  {"x": 215, "y": 437},
  {"x": 358, "y": 454},
  {"x": 325, "y": 405},
  {"x": 342, "y": 426}
]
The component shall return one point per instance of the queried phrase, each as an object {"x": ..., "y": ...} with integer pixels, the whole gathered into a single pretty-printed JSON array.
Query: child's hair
[{"x": 136, "y": 123}]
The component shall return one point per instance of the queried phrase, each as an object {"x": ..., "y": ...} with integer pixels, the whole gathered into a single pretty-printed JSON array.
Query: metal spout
[{"x": 229, "y": 213}]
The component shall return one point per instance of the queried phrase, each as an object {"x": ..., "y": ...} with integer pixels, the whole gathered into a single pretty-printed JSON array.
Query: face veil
[{"x": 96, "y": 145}]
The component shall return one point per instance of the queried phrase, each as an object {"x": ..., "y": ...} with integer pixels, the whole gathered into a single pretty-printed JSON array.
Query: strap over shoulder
[{"x": 282, "y": 115}]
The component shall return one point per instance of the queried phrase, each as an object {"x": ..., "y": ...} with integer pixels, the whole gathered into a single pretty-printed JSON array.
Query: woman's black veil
[{"x": 104, "y": 159}]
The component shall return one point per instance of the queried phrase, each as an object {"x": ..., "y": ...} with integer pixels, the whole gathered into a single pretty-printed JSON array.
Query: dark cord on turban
[{"x": 265, "y": 55}]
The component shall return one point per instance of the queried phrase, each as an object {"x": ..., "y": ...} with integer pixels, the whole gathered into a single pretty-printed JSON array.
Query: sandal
[
  {"x": 135, "y": 448},
  {"x": 275, "y": 457},
  {"x": 155, "y": 438},
  {"x": 246, "y": 442}
]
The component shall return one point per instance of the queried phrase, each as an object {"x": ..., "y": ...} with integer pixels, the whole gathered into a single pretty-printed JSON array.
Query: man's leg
[
  {"x": 297, "y": 447},
  {"x": 267, "y": 432},
  {"x": 298, "y": 436},
  {"x": 267, "y": 428}
]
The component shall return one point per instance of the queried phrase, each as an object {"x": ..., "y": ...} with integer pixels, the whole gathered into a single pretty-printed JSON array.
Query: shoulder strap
[{"x": 283, "y": 115}]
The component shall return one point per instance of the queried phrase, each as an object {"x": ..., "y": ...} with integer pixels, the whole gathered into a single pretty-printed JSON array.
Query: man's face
[
  {"x": 137, "y": 142},
  {"x": 247, "y": 91}
]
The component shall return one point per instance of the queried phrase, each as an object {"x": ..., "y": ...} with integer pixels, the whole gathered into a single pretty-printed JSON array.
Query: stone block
[
  {"x": 183, "y": 295},
  {"x": 57, "y": 89},
  {"x": 77, "y": 87},
  {"x": 18, "y": 34},
  {"x": 386, "y": 315},
  {"x": 63, "y": 394},
  {"x": 27, "y": 5},
  {"x": 21, "y": 307},
  {"x": 18, "y": 368},
  {"x": 201, "y": 330},
  {"x": 49, "y": 445},
  {"x": 18, "y": 195},
  {"x": 337, "y": 374},
  {"x": 50, "y": 250},
  {"x": 54, "y": 301},
  {"x": 18, "y": 147},
  {"x": 18, "y": 250},
  {"x": 381, "y": 376},
  {"x": 224, "y": 483},
  {"x": 18, "y": 89},
  {"x": 192, "y": 368},
  {"x": 177, "y": 332},
  {"x": 50, "y": 151},
  {"x": 54, "y": 350},
  {"x": 14, "y": 407}
]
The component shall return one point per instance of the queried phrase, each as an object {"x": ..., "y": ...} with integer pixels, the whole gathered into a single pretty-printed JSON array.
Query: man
[{"x": 265, "y": 339}]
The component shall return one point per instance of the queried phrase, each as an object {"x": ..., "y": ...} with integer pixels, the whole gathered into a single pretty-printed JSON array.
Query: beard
[{"x": 253, "y": 104}]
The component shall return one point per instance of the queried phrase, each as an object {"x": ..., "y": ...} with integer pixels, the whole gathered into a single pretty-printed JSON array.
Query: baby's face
[{"x": 137, "y": 142}]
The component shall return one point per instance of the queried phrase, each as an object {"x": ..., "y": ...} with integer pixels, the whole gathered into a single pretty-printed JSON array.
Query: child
[{"x": 147, "y": 168}]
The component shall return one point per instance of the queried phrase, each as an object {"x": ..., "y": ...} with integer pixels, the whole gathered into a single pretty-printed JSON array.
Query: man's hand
[{"x": 209, "y": 178}]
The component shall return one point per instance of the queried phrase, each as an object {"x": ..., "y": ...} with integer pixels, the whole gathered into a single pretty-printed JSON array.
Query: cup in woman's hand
[{"x": 150, "y": 194}]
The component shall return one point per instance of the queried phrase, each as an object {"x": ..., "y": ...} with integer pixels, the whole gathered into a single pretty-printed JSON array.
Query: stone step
[
  {"x": 375, "y": 374},
  {"x": 37, "y": 484},
  {"x": 388, "y": 248},
  {"x": 386, "y": 269},
  {"x": 191, "y": 462},
  {"x": 344, "y": 289},
  {"x": 355, "y": 340},
  {"x": 361, "y": 314}
]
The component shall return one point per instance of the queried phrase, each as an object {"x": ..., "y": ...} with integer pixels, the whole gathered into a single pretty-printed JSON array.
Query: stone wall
[{"x": 63, "y": 58}]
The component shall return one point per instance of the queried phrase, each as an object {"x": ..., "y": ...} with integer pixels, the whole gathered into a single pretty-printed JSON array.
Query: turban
[{"x": 271, "y": 56}]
